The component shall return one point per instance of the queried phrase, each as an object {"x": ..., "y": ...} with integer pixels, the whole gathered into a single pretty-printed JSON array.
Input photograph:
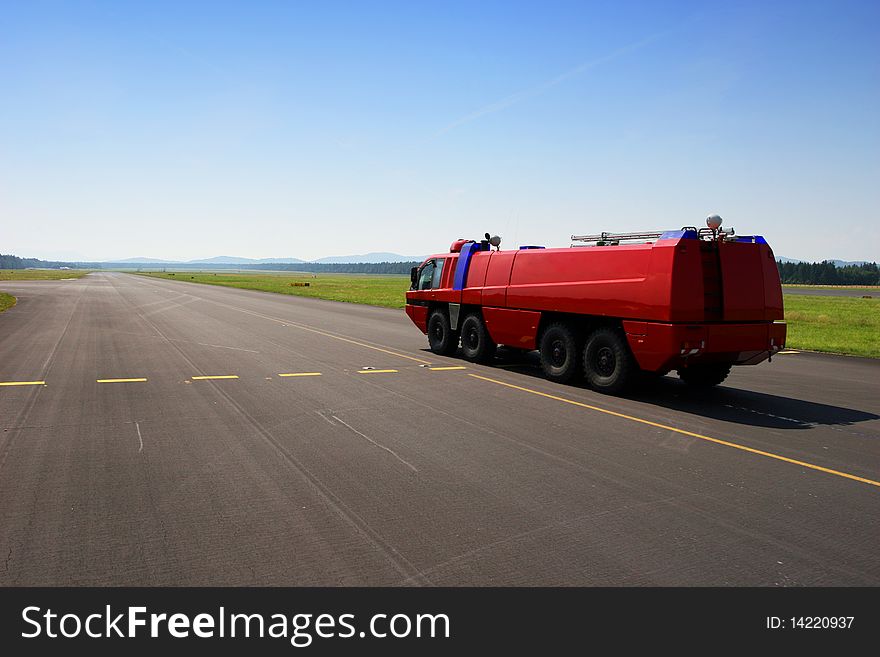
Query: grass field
[
  {"x": 386, "y": 290},
  {"x": 6, "y": 301},
  {"x": 843, "y": 325},
  {"x": 40, "y": 274}
]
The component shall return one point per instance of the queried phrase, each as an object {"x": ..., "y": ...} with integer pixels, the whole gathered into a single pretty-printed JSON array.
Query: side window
[
  {"x": 438, "y": 273},
  {"x": 426, "y": 275}
]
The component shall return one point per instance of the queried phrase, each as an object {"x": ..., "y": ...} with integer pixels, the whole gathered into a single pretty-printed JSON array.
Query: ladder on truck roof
[
  {"x": 617, "y": 237},
  {"x": 610, "y": 239}
]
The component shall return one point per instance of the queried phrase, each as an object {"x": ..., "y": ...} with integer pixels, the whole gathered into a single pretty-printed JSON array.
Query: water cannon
[
  {"x": 713, "y": 221},
  {"x": 493, "y": 240}
]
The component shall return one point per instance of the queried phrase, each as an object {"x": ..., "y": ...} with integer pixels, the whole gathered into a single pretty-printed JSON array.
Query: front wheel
[
  {"x": 476, "y": 343},
  {"x": 441, "y": 338},
  {"x": 704, "y": 376},
  {"x": 608, "y": 365}
]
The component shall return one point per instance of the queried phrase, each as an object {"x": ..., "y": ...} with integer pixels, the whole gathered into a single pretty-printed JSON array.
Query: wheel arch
[{"x": 582, "y": 324}]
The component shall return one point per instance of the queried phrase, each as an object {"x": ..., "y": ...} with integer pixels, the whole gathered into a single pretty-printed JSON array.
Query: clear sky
[{"x": 185, "y": 130}]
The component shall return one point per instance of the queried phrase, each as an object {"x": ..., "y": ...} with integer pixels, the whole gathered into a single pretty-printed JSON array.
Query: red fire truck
[{"x": 611, "y": 307}]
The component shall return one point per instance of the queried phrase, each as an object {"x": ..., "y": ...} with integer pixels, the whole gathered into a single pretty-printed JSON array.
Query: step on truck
[{"x": 613, "y": 307}]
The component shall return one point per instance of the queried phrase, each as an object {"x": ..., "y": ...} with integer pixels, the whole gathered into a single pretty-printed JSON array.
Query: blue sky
[{"x": 266, "y": 129}]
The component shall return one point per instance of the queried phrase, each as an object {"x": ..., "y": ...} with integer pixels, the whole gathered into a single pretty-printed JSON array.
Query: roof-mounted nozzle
[{"x": 713, "y": 221}]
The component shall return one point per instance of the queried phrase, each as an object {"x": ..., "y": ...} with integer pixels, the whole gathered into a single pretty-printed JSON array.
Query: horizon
[
  {"x": 344, "y": 259},
  {"x": 197, "y": 129}
]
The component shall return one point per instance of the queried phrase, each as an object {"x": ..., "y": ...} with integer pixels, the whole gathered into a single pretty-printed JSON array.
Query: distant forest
[
  {"x": 827, "y": 273},
  {"x": 14, "y": 262}
]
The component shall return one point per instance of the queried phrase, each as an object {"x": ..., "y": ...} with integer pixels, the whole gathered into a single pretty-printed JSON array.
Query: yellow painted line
[
  {"x": 789, "y": 352},
  {"x": 376, "y": 371},
  {"x": 717, "y": 441},
  {"x": 360, "y": 344},
  {"x": 301, "y": 374},
  {"x": 216, "y": 376},
  {"x": 285, "y": 322},
  {"x": 446, "y": 369},
  {"x": 22, "y": 383},
  {"x": 119, "y": 380}
]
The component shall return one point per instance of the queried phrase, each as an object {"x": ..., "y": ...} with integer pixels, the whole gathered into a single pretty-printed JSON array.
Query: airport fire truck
[{"x": 612, "y": 307}]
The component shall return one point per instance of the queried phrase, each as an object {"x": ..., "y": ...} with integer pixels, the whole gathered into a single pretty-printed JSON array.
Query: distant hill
[
  {"x": 848, "y": 263},
  {"x": 235, "y": 260},
  {"x": 142, "y": 260},
  {"x": 368, "y": 258},
  {"x": 217, "y": 260},
  {"x": 374, "y": 257},
  {"x": 225, "y": 260},
  {"x": 269, "y": 261}
]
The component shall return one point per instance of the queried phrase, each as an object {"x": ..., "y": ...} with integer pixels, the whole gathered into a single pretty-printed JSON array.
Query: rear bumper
[{"x": 664, "y": 347}]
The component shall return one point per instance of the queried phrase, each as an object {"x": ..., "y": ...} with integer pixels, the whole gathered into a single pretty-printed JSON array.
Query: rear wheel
[
  {"x": 608, "y": 364},
  {"x": 476, "y": 344},
  {"x": 441, "y": 338},
  {"x": 560, "y": 354},
  {"x": 704, "y": 376}
]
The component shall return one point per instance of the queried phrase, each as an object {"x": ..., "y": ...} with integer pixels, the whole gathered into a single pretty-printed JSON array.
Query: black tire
[
  {"x": 441, "y": 338},
  {"x": 476, "y": 344},
  {"x": 608, "y": 364},
  {"x": 704, "y": 376},
  {"x": 560, "y": 353}
]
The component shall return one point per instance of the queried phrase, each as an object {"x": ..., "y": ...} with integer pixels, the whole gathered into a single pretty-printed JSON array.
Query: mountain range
[{"x": 374, "y": 257}]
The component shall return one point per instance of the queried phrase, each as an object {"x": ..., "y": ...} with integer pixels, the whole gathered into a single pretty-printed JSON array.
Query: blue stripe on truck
[{"x": 464, "y": 261}]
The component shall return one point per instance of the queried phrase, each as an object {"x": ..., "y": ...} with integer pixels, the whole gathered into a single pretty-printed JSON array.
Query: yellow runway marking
[
  {"x": 22, "y": 383},
  {"x": 789, "y": 352},
  {"x": 119, "y": 380},
  {"x": 216, "y": 376},
  {"x": 285, "y": 322},
  {"x": 717, "y": 441},
  {"x": 301, "y": 374},
  {"x": 376, "y": 371},
  {"x": 446, "y": 369},
  {"x": 349, "y": 340}
]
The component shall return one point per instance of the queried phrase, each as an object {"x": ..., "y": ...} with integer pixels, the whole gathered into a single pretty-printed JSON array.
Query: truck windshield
[
  {"x": 431, "y": 274},
  {"x": 425, "y": 276}
]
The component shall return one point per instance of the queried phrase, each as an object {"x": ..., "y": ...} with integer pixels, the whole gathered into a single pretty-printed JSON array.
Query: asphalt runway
[{"x": 423, "y": 470}]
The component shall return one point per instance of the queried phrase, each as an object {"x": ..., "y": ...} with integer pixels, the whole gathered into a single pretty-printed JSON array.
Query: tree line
[
  {"x": 827, "y": 273},
  {"x": 14, "y": 262}
]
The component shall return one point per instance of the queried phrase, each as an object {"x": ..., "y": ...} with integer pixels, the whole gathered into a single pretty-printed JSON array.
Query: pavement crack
[
  {"x": 379, "y": 445},
  {"x": 347, "y": 514},
  {"x": 326, "y": 415}
]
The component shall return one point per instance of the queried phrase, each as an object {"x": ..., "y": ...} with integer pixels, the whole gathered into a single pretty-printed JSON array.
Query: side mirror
[{"x": 413, "y": 277}]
